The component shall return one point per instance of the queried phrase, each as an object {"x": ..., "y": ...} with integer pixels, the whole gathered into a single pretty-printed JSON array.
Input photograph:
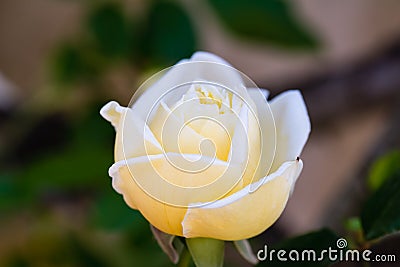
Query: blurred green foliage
[
  {"x": 264, "y": 21},
  {"x": 49, "y": 245},
  {"x": 165, "y": 34},
  {"x": 380, "y": 215},
  {"x": 77, "y": 166},
  {"x": 71, "y": 65},
  {"x": 169, "y": 35},
  {"x": 384, "y": 168},
  {"x": 111, "y": 36},
  {"x": 108, "y": 233},
  {"x": 112, "y": 32}
]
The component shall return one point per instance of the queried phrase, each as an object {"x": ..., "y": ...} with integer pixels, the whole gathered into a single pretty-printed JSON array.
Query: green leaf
[
  {"x": 110, "y": 29},
  {"x": 9, "y": 192},
  {"x": 266, "y": 21},
  {"x": 74, "y": 63},
  {"x": 353, "y": 224},
  {"x": 244, "y": 248},
  {"x": 169, "y": 34},
  {"x": 317, "y": 241},
  {"x": 384, "y": 168},
  {"x": 206, "y": 252},
  {"x": 68, "y": 64},
  {"x": 380, "y": 214}
]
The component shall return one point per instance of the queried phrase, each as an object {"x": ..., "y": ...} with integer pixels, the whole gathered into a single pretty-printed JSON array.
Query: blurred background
[{"x": 61, "y": 61}]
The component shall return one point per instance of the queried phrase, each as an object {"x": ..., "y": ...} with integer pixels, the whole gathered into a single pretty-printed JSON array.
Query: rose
[{"x": 202, "y": 154}]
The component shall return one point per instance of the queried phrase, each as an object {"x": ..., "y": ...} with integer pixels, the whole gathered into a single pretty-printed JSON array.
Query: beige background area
[{"x": 349, "y": 30}]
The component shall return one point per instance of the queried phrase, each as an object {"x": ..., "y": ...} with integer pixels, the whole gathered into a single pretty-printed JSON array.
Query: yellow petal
[
  {"x": 243, "y": 214},
  {"x": 216, "y": 132},
  {"x": 164, "y": 217},
  {"x": 157, "y": 188}
]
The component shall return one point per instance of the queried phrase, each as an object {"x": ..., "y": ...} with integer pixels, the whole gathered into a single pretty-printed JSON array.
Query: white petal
[
  {"x": 203, "y": 67},
  {"x": 133, "y": 137},
  {"x": 112, "y": 112},
  {"x": 255, "y": 92},
  {"x": 266, "y": 125},
  {"x": 209, "y": 57},
  {"x": 292, "y": 125}
]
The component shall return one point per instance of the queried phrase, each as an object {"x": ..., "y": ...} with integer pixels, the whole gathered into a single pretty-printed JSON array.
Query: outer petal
[
  {"x": 133, "y": 137},
  {"x": 164, "y": 217},
  {"x": 243, "y": 214},
  {"x": 210, "y": 57},
  {"x": 292, "y": 125},
  {"x": 157, "y": 188}
]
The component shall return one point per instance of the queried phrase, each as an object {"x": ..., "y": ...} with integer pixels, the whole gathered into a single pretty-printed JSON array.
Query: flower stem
[{"x": 186, "y": 258}]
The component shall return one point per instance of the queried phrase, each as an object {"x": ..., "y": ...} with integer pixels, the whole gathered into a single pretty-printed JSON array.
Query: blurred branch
[{"x": 366, "y": 85}]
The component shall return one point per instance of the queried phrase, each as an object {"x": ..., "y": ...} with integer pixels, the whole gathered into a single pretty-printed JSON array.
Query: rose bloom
[{"x": 201, "y": 153}]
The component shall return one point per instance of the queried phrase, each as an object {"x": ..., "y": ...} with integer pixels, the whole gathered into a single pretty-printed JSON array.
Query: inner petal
[{"x": 211, "y": 112}]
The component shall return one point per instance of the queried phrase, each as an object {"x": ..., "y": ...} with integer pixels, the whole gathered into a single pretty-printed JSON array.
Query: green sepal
[
  {"x": 206, "y": 252},
  {"x": 244, "y": 249},
  {"x": 168, "y": 243}
]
